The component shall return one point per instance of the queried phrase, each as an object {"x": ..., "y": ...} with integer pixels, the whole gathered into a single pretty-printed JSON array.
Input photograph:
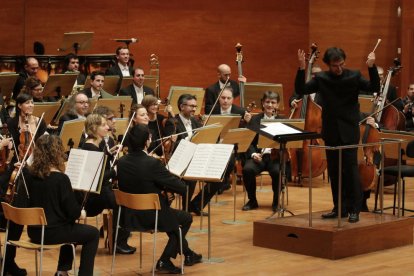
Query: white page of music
[
  {"x": 209, "y": 161},
  {"x": 279, "y": 129},
  {"x": 181, "y": 158}
]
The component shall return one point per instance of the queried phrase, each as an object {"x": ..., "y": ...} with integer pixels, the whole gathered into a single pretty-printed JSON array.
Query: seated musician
[
  {"x": 406, "y": 107},
  {"x": 212, "y": 92},
  {"x": 18, "y": 126},
  {"x": 31, "y": 67},
  {"x": 137, "y": 90},
  {"x": 33, "y": 86},
  {"x": 258, "y": 160},
  {"x": 50, "y": 188},
  {"x": 225, "y": 106},
  {"x": 96, "y": 89},
  {"x": 72, "y": 67},
  {"x": 185, "y": 123},
  {"x": 96, "y": 129},
  {"x": 78, "y": 108},
  {"x": 139, "y": 173},
  {"x": 109, "y": 141}
]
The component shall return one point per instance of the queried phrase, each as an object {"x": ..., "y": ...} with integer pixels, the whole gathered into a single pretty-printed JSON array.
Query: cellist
[{"x": 339, "y": 88}]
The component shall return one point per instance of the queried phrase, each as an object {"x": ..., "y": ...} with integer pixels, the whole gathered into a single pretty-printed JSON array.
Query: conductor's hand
[
  {"x": 371, "y": 59},
  {"x": 302, "y": 59}
]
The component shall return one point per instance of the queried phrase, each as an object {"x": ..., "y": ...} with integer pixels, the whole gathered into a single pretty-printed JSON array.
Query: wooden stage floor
[{"x": 234, "y": 243}]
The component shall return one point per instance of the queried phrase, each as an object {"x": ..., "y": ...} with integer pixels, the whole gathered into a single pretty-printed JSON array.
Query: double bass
[{"x": 312, "y": 113}]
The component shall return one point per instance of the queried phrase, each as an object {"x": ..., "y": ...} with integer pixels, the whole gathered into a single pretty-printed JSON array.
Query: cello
[{"x": 312, "y": 113}]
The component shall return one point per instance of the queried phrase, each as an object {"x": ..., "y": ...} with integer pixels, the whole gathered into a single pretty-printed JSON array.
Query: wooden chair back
[
  {"x": 137, "y": 201},
  {"x": 24, "y": 216}
]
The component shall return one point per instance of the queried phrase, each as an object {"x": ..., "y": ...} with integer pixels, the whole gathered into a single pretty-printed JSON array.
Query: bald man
[
  {"x": 212, "y": 92},
  {"x": 30, "y": 69}
]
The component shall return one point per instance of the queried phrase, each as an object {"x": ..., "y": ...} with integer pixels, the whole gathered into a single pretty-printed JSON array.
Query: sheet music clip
[{"x": 77, "y": 41}]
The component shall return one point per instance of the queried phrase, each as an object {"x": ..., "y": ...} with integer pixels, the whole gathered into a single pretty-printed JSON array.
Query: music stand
[
  {"x": 126, "y": 81},
  {"x": 208, "y": 135},
  {"x": 241, "y": 138},
  {"x": 61, "y": 83},
  {"x": 110, "y": 84},
  {"x": 177, "y": 91},
  {"x": 121, "y": 105},
  {"x": 283, "y": 132},
  {"x": 7, "y": 82},
  {"x": 49, "y": 108},
  {"x": 253, "y": 92},
  {"x": 77, "y": 41},
  {"x": 121, "y": 125},
  {"x": 71, "y": 133},
  {"x": 228, "y": 122},
  {"x": 151, "y": 82}
]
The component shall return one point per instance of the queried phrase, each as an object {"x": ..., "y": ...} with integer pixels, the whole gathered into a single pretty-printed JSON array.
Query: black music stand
[
  {"x": 77, "y": 41},
  {"x": 283, "y": 132}
]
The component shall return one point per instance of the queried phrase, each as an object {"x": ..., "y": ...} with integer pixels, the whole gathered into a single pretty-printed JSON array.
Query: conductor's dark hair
[
  {"x": 137, "y": 137},
  {"x": 97, "y": 73},
  {"x": 333, "y": 54},
  {"x": 184, "y": 98}
]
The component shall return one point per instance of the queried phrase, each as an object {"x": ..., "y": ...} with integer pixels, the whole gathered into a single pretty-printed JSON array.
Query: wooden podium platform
[{"x": 326, "y": 240}]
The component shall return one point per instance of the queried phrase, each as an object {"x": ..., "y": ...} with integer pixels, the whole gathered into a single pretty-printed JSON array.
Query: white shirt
[
  {"x": 188, "y": 127},
  {"x": 222, "y": 84},
  {"x": 267, "y": 150},
  {"x": 95, "y": 94},
  {"x": 140, "y": 93},
  {"x": 124, "y": 70},
  {"x": 225, "y": 111}
]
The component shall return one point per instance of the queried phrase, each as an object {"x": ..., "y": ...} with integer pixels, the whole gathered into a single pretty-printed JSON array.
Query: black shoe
[
  {"x": 353, "y": 217},
  {"x": 192, "y": 258},
  {"x": 168, "y": 267},
  {"x": 61, "y": 273},
  {"x": 274, "y": 208},
  {"x": 14, "y": 270},
  {"x": 125, "y": 249},
  {"x": 333, "y": 214},
  {"x": 197, "y": 212},
  {"x": 250, "y": 205}
]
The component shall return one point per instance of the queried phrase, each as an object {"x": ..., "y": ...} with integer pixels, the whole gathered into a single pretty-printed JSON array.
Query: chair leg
[
  {"x": 395, "y": 196},
  {"x": 181, "y": 250},
  {"x": 155, "y": 242},
  {"x": 403, "y": 197},
  {"x": 116, "y": 239},
  {"x": 140, "y": 250},
  {"x": 74, "y": 258},
  {"x": 37, "y": 267},
  {"x": 5, "y": 248}
]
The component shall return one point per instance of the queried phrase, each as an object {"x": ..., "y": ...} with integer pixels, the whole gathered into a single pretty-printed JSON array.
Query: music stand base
[
  {"x": 233, "y": 222},
  {"x": 213, "y": 260}
]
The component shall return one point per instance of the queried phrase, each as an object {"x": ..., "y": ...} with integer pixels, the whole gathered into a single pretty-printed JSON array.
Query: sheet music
[
  {"x": 279, "y": 129},
  {"x": 209, "y": 161},
  {"x": 82, "y": 167},
  {"x": 181, "y": 158}
]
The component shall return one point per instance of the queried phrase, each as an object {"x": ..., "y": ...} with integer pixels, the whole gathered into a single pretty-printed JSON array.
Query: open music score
[
  {"x": 85, "y": 170},
  {"x": 203, "y": 161}
]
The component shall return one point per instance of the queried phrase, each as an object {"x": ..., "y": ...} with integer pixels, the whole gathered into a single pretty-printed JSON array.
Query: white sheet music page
[
  {"x": 209, "y": 161},
  {"x": 279, "y": 129},
  {"x": 181, "y": 157}
]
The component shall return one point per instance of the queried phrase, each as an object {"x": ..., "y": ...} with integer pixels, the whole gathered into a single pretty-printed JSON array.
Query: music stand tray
[
  {"x": 77, "y": 41},
  {"x": 49, "y": 108},
  {"x": 71, "y": 133},
  {"x": 7, "y": 82},
  {"x": 126, "y": 81},
  {"x": 228, "y": 122},
  {"x": 61, "y": 83}
]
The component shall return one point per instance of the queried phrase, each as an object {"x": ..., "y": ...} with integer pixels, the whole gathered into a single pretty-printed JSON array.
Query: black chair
[{"x": 406, "y": 171}]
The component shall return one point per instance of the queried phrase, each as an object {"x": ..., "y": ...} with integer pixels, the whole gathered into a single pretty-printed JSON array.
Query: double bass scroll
[{"x": 239, "y": 61}]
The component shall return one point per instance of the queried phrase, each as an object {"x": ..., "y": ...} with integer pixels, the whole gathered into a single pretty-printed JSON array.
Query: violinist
[
  {"x": 96, "y": 129},
  {"x": 184, "y": 123},
  {"x": 139, "y": 173},
  {"x": 20, "y": 128},
  {"x": 339, "y": 88},
  {"x": 137, "y": 90},
  {"x": 258, "y": 160},
  {"x": 50, "y": 188},
  {"x": 155, "y": 124},
  {"x": 212, "y": 92},
  {"x": 109, "y": 141},
  {"x": 78, "y": 108}
]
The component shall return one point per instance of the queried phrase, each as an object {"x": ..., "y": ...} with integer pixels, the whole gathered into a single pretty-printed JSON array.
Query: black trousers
[
  {"x": 351, "y": 186},
  {"x": 173, "y": 245},
  {"x": 82, "y": 234},
  {"x": 252, "y": 168}
]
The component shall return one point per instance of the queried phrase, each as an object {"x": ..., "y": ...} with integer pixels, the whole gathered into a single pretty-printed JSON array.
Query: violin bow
[
  {"x": 122, "y": 141},
  {"x": 215, "y": 103},
  {"x": 379, "y": 110}
]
